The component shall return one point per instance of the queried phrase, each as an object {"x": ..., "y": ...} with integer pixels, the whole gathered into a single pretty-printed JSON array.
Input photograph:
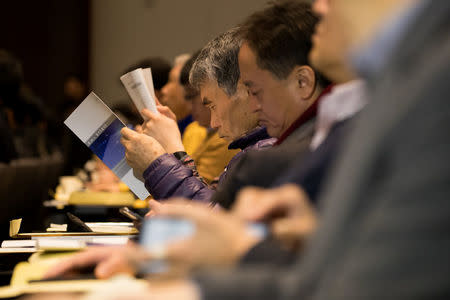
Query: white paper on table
[
  {"x": 18, "y": 244},
  {"x": 87, "y": 239},
  {"x": 18, "y": 250},
  {"x": 60, "y": 244},
  {"x": 99, "y": 129},
  {"x": 112, "y": 241},
  {"x": 137, "y": 87}
]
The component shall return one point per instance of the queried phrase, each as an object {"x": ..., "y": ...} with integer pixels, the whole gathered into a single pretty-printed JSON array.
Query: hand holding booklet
[{"x": 99, "y": 129}]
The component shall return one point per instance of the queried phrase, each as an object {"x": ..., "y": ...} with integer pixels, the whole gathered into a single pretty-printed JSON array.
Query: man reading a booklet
[
  {"x": 212, "y": 153},
  {"x": 157, "y": 153}
]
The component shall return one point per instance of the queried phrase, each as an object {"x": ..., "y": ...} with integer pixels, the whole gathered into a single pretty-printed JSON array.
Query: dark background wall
[
  {"x": 51, "y": 37},
  {"x": 125, "y": 31},
  {"x": 99, "y": 39}
]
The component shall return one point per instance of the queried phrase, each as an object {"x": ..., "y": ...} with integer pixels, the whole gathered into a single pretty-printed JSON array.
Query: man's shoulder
[
  {"x": 303, "y": 134},
  {"x": 261, "y": 144}
]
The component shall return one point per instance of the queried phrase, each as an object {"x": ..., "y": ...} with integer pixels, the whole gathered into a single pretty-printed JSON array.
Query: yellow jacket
[
  {"x": 193, "y": 137},
  {"x": 212, "y": 156}
]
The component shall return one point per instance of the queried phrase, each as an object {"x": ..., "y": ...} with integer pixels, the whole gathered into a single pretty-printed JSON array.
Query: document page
[
  {"x": 139, "y": 85},
  {"x": 99, "y": 129}
]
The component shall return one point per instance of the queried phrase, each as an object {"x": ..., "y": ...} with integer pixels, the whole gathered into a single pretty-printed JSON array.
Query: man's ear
[{"x": 305, "y": 78}]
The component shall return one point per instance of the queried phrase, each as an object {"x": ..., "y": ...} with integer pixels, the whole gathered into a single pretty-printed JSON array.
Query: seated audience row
[{"x": 353, "y": 185}]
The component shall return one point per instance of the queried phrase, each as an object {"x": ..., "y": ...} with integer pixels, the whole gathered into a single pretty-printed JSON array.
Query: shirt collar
[
  {"x": 304, "y": 117},
  {"x": 344, "y": 101}
]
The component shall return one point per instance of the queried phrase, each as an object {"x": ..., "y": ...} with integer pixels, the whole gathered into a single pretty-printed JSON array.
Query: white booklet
[
  {"x": 139, "y": 85},
  {"x": 99, "y": 129}
]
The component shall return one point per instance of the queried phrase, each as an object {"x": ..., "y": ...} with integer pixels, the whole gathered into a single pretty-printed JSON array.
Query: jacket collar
[
  {"x": 304, "y": 117},
  {"x": 251, "y": 138}
]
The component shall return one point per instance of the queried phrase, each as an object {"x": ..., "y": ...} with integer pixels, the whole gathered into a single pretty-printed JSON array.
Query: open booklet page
[
  {"x": 139, "y": 85},
  {"x": 149, "y": 80},
  {"x": 99, "y": 128}
]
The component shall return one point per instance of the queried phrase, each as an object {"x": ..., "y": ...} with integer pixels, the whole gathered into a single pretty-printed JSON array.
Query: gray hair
[{"x": 218, "y": 61}]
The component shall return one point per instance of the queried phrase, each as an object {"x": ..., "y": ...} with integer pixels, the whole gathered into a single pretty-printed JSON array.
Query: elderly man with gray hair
[{"x": 215, "y": 74}]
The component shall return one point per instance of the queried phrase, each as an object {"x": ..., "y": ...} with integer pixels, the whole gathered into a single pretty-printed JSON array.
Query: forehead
[
  {"x": 251, "y": 73},
  {"x": 247, "y": 59},
  {"x": 210, "y": 92}
]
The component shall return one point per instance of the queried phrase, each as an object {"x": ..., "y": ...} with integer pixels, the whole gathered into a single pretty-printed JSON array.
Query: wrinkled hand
[
  {"x": 220, "y": 239},
  {"x": 287, "y": 209},
  {"x": 141, "y": 150},
  {"x": 108, "y": 261},
  {"x": 163, "y": 129}
]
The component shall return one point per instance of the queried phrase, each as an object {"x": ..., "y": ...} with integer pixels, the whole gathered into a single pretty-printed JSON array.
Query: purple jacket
[{"x": 168, "y": 176}]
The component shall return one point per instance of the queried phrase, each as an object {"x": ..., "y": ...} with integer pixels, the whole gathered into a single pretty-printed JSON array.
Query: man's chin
[{"x": 273, "y": 132}]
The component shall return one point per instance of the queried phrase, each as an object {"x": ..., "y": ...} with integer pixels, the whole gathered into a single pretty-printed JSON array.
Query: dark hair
[
  {"x": 160, "y": 70},
  {"x": 11, "y": 77},
  {"x": 280, "y": 35},
  {"x": 218, "y": 61}
]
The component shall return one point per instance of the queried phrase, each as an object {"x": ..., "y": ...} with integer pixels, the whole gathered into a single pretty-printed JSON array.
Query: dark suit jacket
[
  {"x": 309, "y": 172},
  {"x": 261, "y": 168},
  {"x": 385, "y": 225}
]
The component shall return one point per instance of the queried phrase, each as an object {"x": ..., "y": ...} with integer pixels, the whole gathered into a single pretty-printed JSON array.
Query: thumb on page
[
  {"x": 166, "y": 111},
  {"x": 147, "y": 114}
]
